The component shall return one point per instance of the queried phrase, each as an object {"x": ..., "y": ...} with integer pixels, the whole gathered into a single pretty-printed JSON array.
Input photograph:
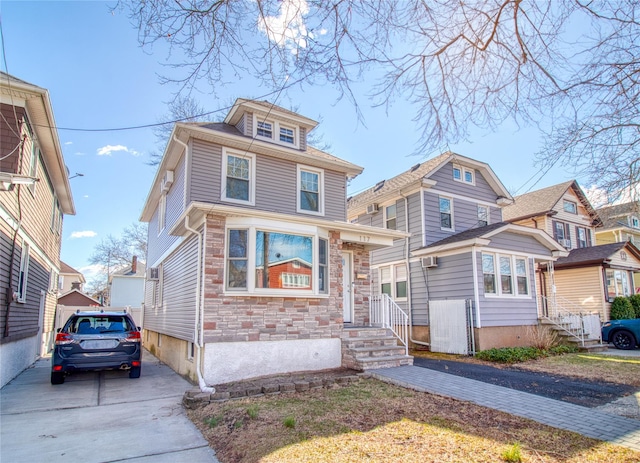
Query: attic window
[
  {"x": 265, "y": 129},
  {"x": 463, "y": 174},
  {"x": 635, "y": 223},
  {"x": 287, "y": 135},
  {"x": 570, "y": 207},
  {"x": 379, "y": 185}
]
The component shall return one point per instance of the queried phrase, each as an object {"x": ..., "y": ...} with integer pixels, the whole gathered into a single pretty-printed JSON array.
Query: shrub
[
  {"x": 635, "y": 303},
  {"x": 512, "y": 454},
  {"x": 621, "y": 309},
  {"x": 542, "y": 336},
  {"x": 522, "y": 354}
]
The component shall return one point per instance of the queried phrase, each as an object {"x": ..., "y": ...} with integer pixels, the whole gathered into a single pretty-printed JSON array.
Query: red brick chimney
[{"x": 134, "y": 265}]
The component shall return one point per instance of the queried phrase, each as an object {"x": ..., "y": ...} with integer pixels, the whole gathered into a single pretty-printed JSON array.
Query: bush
[
  {"x": 621, "y": 309},
  {"x": 635, "y": 303},
  {"x": 522, "y": 354}
]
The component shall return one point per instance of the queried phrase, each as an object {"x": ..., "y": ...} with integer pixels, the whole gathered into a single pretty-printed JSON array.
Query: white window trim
[
  {"x": 162, "y": 213},
  {"x": 514, "y": 276},
  {"x": 253, "y": 225},
  {"x": 393, "y": 280},
  {"x": 226, "y": 152},
  {"x": 635, "y": 222},
  {"x": 453, "y": 224},
  {"x": 275, "y": 131},
  {"x": 302, "y": 168},
  {"x": 463, "y": 171}
]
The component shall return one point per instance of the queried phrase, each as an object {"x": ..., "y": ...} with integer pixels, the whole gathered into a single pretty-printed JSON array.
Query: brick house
[
  {"x": 34, "y": 196},
  {"x": 229, "y": 199}
]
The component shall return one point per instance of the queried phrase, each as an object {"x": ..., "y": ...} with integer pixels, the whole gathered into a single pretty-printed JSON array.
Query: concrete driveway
[{"x": 99, "y": 417}]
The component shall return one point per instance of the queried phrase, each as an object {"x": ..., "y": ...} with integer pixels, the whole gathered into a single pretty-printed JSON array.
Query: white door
[{"x": 347, "y": 285}]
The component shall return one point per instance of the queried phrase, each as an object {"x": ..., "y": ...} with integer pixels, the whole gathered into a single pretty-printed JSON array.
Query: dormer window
[
  {"x": 635, "y": 223},
  {"x": 463, "y": 174},
  {"x": 265, "y": 129},
  {"x": 276, "y": 132}
]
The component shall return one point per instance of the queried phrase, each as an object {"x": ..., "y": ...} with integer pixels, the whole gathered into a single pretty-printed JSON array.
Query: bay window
[
  {"x": 505, "y": 275},
  {"x": 266, "y": 260},
  {"x": 617, "y": 283}
]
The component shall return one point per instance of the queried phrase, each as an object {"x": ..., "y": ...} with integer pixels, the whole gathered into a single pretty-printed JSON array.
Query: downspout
[
  {"x": 198, "y": 329},
  {"x": 408, "y": 266}
]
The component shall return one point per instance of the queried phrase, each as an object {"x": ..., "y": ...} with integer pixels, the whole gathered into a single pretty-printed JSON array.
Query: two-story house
[
  {"x": 34, "y": 196},
  {"x": 587, "y": 280},
  {"x": 620, "y": 223},
  {"x": 465, "y": 277},
  {"x": 70, "y": 279},
  {"x": 126, "y": 286},
  {"x": 252, "y": 268}
]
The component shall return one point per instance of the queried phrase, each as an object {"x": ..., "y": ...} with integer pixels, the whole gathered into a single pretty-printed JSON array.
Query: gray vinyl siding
[
  {"x": 391, "y": 254},
  {"x": 248, "y": 120},
  {"x": 276, "y": 183},
  {"x": 419, "y": 299},
  {"x": 495, "y": 214},
  {"x": 507, "y": 311},
  {"x": 176, "y": 317},
  {"x": 206, "y": 162},
  {"x": 452, "y": 278},
  {"x": 481, "y": 191},
  {"x": 241, "y": 124},
  {"x": 518, "y": 244},
  {"x": 159, "y": 243}
]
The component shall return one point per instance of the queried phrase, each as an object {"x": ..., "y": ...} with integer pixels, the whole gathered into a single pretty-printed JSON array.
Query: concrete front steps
[
  {"x": 369, "y": 348},
  {"x": 590, "y": 345}
]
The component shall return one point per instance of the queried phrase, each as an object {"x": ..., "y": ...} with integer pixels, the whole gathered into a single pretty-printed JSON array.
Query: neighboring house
[
  {"x": 126, "y": 286},
  {"x": 34, "y": 196},
  {"x": 69, "y": 279},
  {"x": 460, "y": 257},
  {"x": 579, "y": 279},
  {"x": 620, "y": 222},
  {"x": 228, "y": 199},
  {"x": 76, "y": 298}
]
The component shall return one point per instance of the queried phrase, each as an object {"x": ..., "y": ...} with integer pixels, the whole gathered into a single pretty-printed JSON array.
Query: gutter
[{"x": 198, "y": 328}]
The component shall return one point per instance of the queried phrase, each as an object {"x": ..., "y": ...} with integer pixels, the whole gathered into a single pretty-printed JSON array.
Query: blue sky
[{"x": 99, "y": 78}]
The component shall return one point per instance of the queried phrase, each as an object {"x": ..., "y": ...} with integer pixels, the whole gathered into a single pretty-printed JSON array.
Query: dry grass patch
[{"x": 377, "y": 422}]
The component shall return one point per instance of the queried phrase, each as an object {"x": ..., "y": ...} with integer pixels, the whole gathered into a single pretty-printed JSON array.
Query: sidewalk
[{"x": 586, "y": 421}]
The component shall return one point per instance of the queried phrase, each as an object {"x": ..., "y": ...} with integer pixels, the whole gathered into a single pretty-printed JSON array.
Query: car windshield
[{"x": 91, "y": 324}]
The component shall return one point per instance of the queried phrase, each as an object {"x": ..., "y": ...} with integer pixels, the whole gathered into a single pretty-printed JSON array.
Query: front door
[{"x": 347, "y": 285}]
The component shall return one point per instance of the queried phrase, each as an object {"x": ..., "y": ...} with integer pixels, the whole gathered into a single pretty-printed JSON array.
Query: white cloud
[
  {"x": 83, "y": 234},
  {"x": 109, "y": 149},
  {"x": 68, "y": 143},
  {"x": 288, "y": 28},
  {"x": 92, "y": 271}
]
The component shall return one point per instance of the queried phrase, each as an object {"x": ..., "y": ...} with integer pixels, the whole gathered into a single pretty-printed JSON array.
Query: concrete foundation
[
  {"x": 234, "y": 361},
  {"x": 173, "y": 352},
  {"x": 16, "y": 356},
  {"x": 504, "y": 336}
]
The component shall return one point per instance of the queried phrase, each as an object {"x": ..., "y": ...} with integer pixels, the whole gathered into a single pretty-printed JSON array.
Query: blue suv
[{"x": 97, "y": 341}]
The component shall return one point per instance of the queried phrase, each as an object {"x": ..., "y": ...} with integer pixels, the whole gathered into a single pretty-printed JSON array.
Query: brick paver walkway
[{"x": 586, "y": 421}]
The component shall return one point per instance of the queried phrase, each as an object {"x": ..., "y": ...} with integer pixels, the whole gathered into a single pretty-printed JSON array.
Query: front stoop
[
  {"x": 369, "y": 348},
  {"x": 590, "y": 345}
]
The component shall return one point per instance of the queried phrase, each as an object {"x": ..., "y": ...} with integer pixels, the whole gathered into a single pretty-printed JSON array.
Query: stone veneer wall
[{"x": 249, "y": 318}]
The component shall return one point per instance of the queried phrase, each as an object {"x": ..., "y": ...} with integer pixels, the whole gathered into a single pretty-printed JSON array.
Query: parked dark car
[
  {"x": 624, "y": 334},
  {"x": 97, "y": 341}
]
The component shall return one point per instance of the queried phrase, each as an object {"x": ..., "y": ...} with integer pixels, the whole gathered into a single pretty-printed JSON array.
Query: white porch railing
[
  {"x": 570, "y": 317},
  {"x": 383, "y": 311}
]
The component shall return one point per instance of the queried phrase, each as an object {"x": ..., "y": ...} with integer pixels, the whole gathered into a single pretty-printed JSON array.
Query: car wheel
[
  {"x": 624, "y": 340},
  {"x": 57, "y": 377},
  {"x": 135, "y": 372}
]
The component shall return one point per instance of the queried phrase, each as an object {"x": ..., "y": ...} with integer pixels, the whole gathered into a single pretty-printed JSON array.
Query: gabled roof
[
  {"x": 614, "y": 216},
  {"x": 243, "y": 105},
  {"x": 387, "y": 189},
  {"x": 597, "y": 255},
  {"x": 67, "y": 269},
  {"x": 542, "y": 202},
  {"x": 38, "y": 104},
  {"x": 141, "y": 268},
  {"x": 75, "y": 294},
  {"x": 481, "y": 236}
]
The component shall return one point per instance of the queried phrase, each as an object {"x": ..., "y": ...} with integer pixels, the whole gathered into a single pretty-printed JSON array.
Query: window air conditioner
[
  {"x": 167, "y": 181},
  {"x": 566, "y": 243},
  {"x": 372, "y": 208},
  {"x": 153, "y": 273},
  {"x": 429, "y": 262}
]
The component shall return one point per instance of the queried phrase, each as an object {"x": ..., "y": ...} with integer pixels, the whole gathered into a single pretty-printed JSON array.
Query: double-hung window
[
  {"x": 265, "y": 129},
  {"x": 562, "y": 234},
  {"x": 583, "y": 237},
  {"x": 393, "y": 281},
  {"x": 24, "y": 273},
  {"x": 505, "y": 275},
  {"x": 446, "y": 213},
  {"x": 275, "y": 131},
  {"x": 287, "y": 135},
  {"x": 310, "y": 190},
  {"x": 390, "y": 217},
  {"x": 270, "y": 261},
  {"x": 239, "y": 177},
  {"x": 483, "y": 215}
]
